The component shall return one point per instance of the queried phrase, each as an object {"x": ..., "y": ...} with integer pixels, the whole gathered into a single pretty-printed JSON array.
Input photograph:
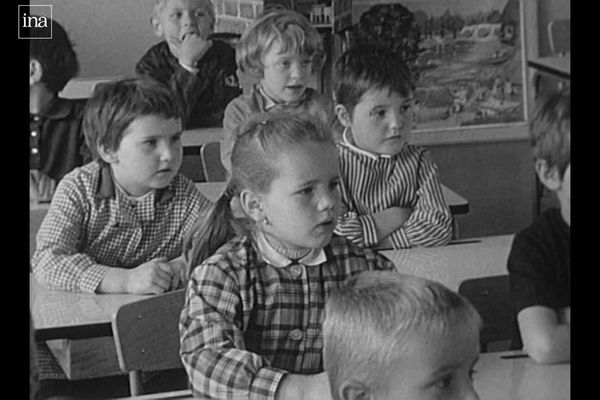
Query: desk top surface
[
  {"x": 457, "y": 261},
  {"x": 457, "y": 204},
  {"x": 59, "y": 314},
  {"x": 496, "y": 379},
  {"x": 557, "y": 65}
]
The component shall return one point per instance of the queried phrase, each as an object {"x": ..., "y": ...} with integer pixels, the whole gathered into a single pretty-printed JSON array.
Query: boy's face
[
  {"x": 381, "y": 121},
  {"x": 285, "y": 75},
  {"x": 302, "y": 203},
  {"x": 149, "y": 155},
  {"x": 436, "y": 367},
  {"x": 179, "y": 18}
]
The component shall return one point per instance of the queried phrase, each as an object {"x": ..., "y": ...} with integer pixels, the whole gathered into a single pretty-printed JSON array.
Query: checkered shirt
[
  {"x": 91, "y": 227},
  {"x": 246, "y": 323}
]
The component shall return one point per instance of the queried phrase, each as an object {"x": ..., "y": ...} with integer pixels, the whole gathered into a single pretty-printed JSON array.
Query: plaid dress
[{"x": 247, "y": 321}]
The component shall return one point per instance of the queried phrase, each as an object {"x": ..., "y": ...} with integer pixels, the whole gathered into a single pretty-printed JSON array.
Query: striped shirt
[
  {"x": 252, "y": 315},
  {"x": 92, "y": 226},
  {"x": 372, "y": 183}
]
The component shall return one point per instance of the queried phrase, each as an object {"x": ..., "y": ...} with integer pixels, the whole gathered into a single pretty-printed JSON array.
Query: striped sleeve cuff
[
  {"x": 400, "y": 239},
  {"x": 369, "y": 230},
  {"x": 265, "y": 384}
]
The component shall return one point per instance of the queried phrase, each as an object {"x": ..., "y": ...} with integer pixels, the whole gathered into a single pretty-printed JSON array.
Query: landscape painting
[{"x": 469, "y": 63}]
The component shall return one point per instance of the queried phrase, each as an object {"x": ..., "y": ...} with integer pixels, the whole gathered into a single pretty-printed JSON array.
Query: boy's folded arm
[
  {"x": 368, "y": 230},
  {"x": 430, "y": 224},
  {"x": 545, "y": 338}
]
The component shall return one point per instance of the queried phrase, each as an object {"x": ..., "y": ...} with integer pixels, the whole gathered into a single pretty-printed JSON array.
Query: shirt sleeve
[
  {"x": 430, "y": 223},
  {"x": 529, "y": 276},
  {"x": 58, "y": 262},
  {"x": 212, "y": 342}
]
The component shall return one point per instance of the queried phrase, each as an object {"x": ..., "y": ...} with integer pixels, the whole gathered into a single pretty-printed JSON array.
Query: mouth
[
  {"x": 295, "y": 87},
  {"x": 327, "y": 224},
  {"x": 185, "y": 34},
  {"x": 163, "y": 171}
]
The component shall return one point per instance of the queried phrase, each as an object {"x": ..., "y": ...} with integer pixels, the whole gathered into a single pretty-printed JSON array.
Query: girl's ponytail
[{"x": 210, "y": 233}]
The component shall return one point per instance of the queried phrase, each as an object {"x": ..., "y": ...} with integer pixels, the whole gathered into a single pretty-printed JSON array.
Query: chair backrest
[
  {"x": 211, "y": 162},
  {"x": 191, "y": 164},
  {"x": 559, "y": 35},
  {"x": 491, "y": 297},
  {"x": 146, "y": 335}
]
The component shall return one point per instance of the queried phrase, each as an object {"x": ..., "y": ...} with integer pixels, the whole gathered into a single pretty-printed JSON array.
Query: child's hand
[
  {"x": 152, "y": 277},
  {"x": 178, "y": 267},
  {"x": 193, "y": 47}
]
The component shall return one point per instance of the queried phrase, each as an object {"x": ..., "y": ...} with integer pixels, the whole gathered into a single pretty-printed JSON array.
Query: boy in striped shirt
[{"x": 390, "y": 189}]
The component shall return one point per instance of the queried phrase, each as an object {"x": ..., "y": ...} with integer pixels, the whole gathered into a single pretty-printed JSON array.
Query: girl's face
[
  {"x": 285, "y": 75},
  {"x": 381, "y": 122},
  {"x": 302, "y": 203}
]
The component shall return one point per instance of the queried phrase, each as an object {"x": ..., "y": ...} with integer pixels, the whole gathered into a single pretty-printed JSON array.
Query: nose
[
  {"x": 166, "y": 152},
  {"x": 470, "y": 393},
  {"x": 186, "y": 19},
  {"x": 397, "y": 119},
  {"x": 329, "y": 200},
  {"x": 297, "y": 70}
]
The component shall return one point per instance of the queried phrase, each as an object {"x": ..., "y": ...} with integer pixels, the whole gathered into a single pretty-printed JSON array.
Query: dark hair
[
  {"x": 114, "y": 106},
  {"x": 259, "y": 141},
  {"x": 550, "y": 130},
  {"x": 366, "y": 67},
  {"x": 56, "y": 56}
]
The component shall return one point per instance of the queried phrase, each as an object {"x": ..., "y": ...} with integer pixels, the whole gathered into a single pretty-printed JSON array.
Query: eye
[
  {"x": 444, "y": 382},
  {"x": 176, "y": 138},
  {"x": 406, "y": 107},
  {"x": 333, "y": 185},
  {"x": 149, "y": 144},
  {"x": 306, "y": 63},
  {"x": 199, "y": 13},
  {"x": 306, "y": 191},
  {"x": 472, "y": 373},
  {"x": 175, "y": 15},
  {"x": 377, "y": 114}
]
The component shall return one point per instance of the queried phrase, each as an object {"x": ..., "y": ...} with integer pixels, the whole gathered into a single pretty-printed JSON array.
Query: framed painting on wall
[{"x": 469, "y": 62}]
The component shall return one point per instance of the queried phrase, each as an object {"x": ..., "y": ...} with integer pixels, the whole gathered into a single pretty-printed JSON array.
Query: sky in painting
[{"x": 461, "y": 7}]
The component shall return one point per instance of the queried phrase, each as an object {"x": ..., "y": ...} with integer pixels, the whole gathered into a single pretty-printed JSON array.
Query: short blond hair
[
  {"x": 370, "y": 320},
  {"x": 160, "y": 4},
  {"x": 287, "y": 28}
]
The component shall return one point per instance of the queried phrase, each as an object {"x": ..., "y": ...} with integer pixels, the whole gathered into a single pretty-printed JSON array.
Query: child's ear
[
  {"x": 156, "y": 26},
  {"x": 107, "y": 155},
  {"x": 354, "y": 390},
  {"x": 343, "y": 115},
  {"x": 35, "y": 71},
  {"x": 252, "y": 205},
  {"x": 549, "y": 176}
]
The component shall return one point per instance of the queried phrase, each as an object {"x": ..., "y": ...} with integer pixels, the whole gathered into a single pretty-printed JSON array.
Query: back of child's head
[
  {"x": 260, "y": 141},
  {"x": 115, "y": 105},
  {"x": 56, "y": 56},
  {"x": 369, "y": 67},
  {"x": 286, "y": 28},
  {"x": 550, "y": 131},
  {"x": 371, "y": 321}
]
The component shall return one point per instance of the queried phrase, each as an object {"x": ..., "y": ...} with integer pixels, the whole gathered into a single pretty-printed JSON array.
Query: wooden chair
[
  {"x": 491, "y": 297},
  {"x": 211, "y": 162},
  {"x": 146, "y": 336},
  {"x": 191, "y": 164}
]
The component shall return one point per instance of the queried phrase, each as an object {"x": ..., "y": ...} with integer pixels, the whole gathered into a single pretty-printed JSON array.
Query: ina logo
[{"x": 34, "y": 21}]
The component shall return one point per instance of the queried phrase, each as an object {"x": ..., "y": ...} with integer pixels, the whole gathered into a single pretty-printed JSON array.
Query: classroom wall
[
  {"x": 547, "y": 11},
  {"x": 110, "y": 36},
  {"x": 498, "y": 180}
]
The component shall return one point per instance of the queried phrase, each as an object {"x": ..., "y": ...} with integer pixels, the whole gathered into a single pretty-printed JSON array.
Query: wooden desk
[
  {"x": 457, "y": 204},
  {"x": 77, "y": 329},
  {"x": 200, "y": 136},
  {"x": 455, "y": 262},
  {"x": 558, "y": 66},
  {"x": 496, "y": 379},
  {"x": 521, "y": 379}
]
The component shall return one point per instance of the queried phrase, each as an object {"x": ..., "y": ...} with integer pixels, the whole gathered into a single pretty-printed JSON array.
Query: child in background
[
  {"x": 56, "y": 143},
  {"x": 389, "y": 336},
  {"x": 200, "y": 71},
  {"x": 251, "y": 324},
  {"x": 283, "y": 49},
  {"x": 390, "y": 189},
  {"x": 539, "y": 263},
  {"x": 117, "y": 224}
]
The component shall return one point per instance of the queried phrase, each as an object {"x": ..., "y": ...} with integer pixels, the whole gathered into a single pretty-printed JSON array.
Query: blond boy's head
[
  {"x": 386, "y": 335},
  {"x": 550, "y": 133},
  {"x": 172, "y": 20}
]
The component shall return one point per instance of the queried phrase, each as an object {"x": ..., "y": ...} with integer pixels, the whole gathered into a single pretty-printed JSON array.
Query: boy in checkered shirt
[{"x": 116, "y": 225}]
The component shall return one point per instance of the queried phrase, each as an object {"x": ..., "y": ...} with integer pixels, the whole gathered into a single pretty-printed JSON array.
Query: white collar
[
  {"x": 348, "y": 143},
  {"x": 273, "y": 257}
]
